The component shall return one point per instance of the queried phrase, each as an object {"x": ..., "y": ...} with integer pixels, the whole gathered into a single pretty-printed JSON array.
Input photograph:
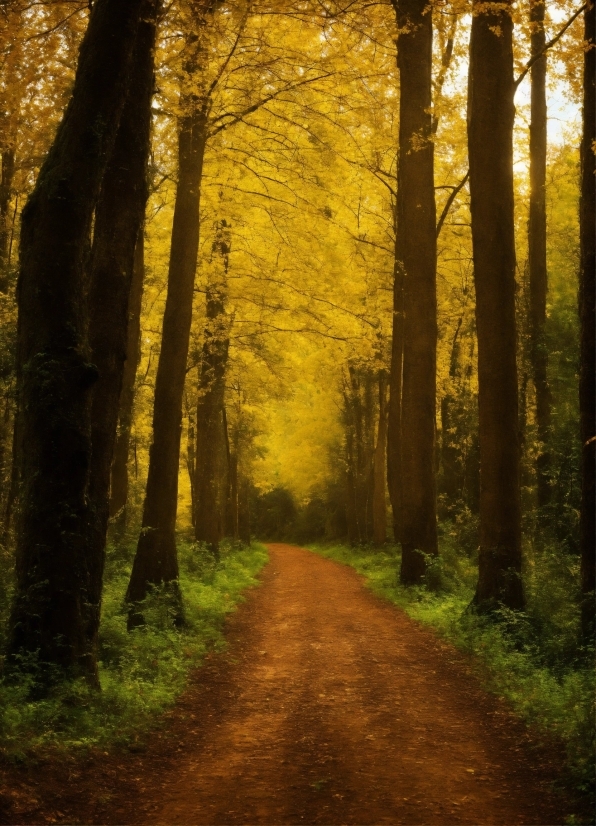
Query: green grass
[
  {"x": 533, "y": 659},
  {"x": 142, "y": 672}
]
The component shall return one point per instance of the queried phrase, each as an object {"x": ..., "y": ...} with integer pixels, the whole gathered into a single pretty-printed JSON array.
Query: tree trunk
[
  {"x": 118, "y": 232},
  {"x": 394, "y": 474},
  {"x": 8, "y": 167},
  {"x": 210, "y": 400},
  {"x": 490, "y": 142},
  {"x": 379, "y": 506},
  {"x": 417, "y": 253},
  {"x": 244, "y": 511},
  {"x": 119, "y": 473},
  {"x": 156, "y": 559},
  {"x": 587, "y": 310},
  {"x": 233, "y": 449},
  {"x": 55, "y": 611},
  {"x": 359, "y": 413},
  {"x": 231, "y": 481},
  {"x": 537, "y": 249},
  {"x": 191, "y": 459},
  {"x": 351, "y": 496},
  {"x": 450, "y": 447}
]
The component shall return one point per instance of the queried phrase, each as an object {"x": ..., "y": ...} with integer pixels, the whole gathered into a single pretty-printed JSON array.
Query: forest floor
[{"x": 328, "y": 706}]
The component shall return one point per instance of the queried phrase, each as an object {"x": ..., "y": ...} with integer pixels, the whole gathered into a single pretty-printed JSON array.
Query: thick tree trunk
[
  {"x": 119, "y": 473},
  {"x": 394, "y": 474},
  {"x": 490, "y": 141},
  {"x": 537, "y": 249},
  {"x": 118, "y": 232},
  {"x": 156, "y": 559},
  {"x": 379, "y": 475},
  {"x": 55, "y": 611},
  {"x": 587, "y": 310},
  {"x": 417, "y": 253},
  {"x": 210, "y": 401}
]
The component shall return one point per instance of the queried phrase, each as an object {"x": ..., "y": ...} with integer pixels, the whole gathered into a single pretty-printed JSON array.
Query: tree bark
[
  {"x": 537, "y": 248},
  {"x": 119, "y": 473},
  {"x": 55, "y": 611},
  {"x": 351, "y": 471},
  {"x": 587, "y": 310},
  {"x": 232, "y": 451},
  {"x": 490, "y": 144},
  {"x": 417, "y": 254},
  {"x": 6, "y": 178},
  {"x": 244, "y": 510},
  {"x": 379, "y": 475},
  {"x": 394, "y": 473},
  {"x": 190, "y": 457},
  {"x": 451, "y": 454},
  {"x": 156, "y": 559},
  {"x": 119, "y": 219},
  {"x": 210, "y": 400}
]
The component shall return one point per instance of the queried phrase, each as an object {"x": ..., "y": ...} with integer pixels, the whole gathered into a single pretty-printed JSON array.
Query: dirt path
[
  {"x": 342, "y": 710},
  {"x": 331, "y": 706}
]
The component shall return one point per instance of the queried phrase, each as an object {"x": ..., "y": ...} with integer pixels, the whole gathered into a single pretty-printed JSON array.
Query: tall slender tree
[
  {"x": 156, "y": 560},
  {"x": 54, "y": 616},
  {"x": 490, "y": 146},
  {"x": 537, "y": 246},
  {"x": 587, "y": 313},
  {"x": 416, "y": 249},
  {"x": 379, "y": 467},
  {"x": 210, "y": 420}
]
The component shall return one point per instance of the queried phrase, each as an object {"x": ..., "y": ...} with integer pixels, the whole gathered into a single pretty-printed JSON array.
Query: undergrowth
[
  {"x": 532, "y": 659},
  {"x": 142, "y": 672}
]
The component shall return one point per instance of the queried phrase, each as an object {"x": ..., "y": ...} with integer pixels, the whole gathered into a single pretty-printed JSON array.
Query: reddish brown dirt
[{"x": 330, "y": 706}]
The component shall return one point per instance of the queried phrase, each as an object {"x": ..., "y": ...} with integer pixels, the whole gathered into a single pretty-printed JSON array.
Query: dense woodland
[{"x": 321, "y": 271}]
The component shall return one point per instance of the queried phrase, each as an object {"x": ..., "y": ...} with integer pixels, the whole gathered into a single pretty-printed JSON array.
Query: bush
[{"x": 143, "y": 671}]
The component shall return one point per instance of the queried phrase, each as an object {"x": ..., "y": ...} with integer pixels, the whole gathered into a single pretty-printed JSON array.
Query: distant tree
[{"x": 379, "y": 506}]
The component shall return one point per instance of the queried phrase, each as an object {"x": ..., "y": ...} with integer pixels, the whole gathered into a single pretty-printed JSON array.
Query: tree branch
[
  {"x": 548, "y": 46},
  {"x": 454, "y": 193}
]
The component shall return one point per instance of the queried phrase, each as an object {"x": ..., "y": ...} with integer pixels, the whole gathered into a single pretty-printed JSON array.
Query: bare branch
[{"x": 454, "y": 193}]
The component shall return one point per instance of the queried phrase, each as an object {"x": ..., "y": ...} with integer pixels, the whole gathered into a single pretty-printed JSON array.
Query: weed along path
[{"x": 331, "y": 706}]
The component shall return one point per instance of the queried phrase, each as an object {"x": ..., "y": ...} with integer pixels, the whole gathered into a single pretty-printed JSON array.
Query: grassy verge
[
  {"x": 533, "y": 659},
  {"x": 142, "y": 672}
]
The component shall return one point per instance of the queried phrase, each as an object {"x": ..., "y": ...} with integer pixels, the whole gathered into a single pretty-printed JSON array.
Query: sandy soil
[{"x": 329, "y": 706}]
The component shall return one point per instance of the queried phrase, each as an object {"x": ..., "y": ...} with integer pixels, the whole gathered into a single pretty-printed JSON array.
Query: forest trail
[
  {"x": 334, "y": 707},
  {"x": 328, "y": 706}
]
